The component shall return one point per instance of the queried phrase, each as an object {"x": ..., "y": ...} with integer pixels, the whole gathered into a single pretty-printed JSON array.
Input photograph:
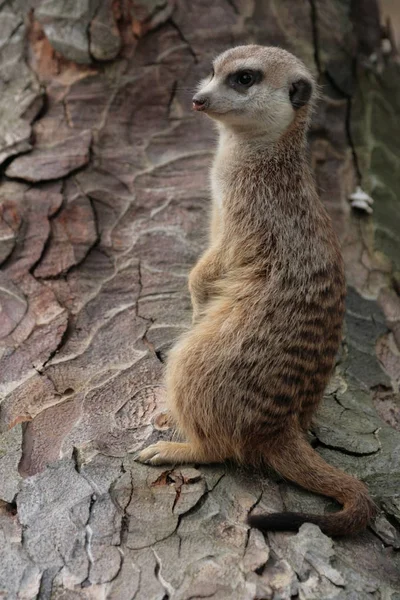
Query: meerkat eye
[
  {"x": 242, "y": 80},
  {"x": 245, "y": 78}
]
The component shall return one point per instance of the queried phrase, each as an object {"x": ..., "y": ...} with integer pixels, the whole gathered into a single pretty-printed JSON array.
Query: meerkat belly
[{"x": 241, "y": 372}]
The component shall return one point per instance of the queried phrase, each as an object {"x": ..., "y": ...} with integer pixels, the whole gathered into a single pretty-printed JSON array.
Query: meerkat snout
[
  {"x": 257, "y": 90},
  {"x": 200, "y": 102}
]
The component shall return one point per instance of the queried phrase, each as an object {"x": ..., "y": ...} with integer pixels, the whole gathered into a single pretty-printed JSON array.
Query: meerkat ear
[{"x": 300, "y": 92}]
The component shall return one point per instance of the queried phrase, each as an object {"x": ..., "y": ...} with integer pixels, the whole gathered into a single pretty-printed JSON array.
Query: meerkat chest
[
  {"x": 218, "y": 181},
  {"x": 217, "y": 193}
]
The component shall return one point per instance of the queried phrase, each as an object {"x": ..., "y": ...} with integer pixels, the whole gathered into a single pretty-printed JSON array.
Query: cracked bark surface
[{"x": 103, "y": 208}]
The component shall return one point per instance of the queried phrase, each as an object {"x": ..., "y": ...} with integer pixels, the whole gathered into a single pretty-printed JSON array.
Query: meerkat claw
[{"x": 156, "y": 454}]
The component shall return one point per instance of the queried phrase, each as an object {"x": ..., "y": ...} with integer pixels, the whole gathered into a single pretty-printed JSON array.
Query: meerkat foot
[{"x": 169, "y": 453}]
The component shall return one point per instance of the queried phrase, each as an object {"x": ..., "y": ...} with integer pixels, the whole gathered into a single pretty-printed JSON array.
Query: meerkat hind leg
[{"x": 171, "y": 453}]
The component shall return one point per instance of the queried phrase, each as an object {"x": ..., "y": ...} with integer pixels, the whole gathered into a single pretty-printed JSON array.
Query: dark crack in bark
[
  {"x": 233, "y": 7},
  {"x": 343, "y": 450},
  {"x": 64, "y": 338},
  {"x": 157, "y": 573},
  {"x": 149, "y": 322},
  {"x": 330, "y": 79},
  {"x": 88, "y": 541},
  {"x": 314, "y": 28},
  {"x": 184, "y": 40}
]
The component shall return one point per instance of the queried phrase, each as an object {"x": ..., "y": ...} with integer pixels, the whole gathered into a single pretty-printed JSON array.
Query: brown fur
[{"x": 268, "y": 299}]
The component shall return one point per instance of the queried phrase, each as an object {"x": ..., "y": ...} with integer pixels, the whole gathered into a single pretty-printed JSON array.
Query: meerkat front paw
[
  {"x": 156, "y": 454},
  {"x": 163, "y": 453}
]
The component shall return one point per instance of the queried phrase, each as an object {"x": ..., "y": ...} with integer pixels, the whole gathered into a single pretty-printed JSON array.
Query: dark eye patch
[{"x": 242, "y": 80}]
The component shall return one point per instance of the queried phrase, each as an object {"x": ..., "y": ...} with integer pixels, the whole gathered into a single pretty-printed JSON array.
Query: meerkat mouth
[{"x": 212, "y": 112}]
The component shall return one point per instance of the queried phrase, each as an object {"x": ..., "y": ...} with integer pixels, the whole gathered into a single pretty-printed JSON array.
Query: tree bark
[{"x": 103, "y": 210}]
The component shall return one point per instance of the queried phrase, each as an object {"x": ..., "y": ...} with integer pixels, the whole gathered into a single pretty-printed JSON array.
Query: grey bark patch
[{"x": 10, "y": 456}]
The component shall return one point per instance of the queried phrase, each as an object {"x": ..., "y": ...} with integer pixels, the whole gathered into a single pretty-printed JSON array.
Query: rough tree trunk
[{"x": 103, "y": 202}]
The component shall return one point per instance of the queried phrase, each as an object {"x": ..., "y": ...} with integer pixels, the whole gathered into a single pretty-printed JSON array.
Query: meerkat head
[{"x": 256, "y": 90}]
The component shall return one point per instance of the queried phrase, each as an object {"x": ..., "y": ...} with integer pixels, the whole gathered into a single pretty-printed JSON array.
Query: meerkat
[{"x": 268, "y": 294}]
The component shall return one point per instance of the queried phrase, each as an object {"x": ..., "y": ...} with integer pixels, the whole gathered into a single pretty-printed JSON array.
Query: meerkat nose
[{"x": 200, "y": 102}]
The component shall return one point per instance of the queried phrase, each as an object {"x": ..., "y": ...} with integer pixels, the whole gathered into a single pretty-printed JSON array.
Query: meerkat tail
[{"x": 300, "y": 463}]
